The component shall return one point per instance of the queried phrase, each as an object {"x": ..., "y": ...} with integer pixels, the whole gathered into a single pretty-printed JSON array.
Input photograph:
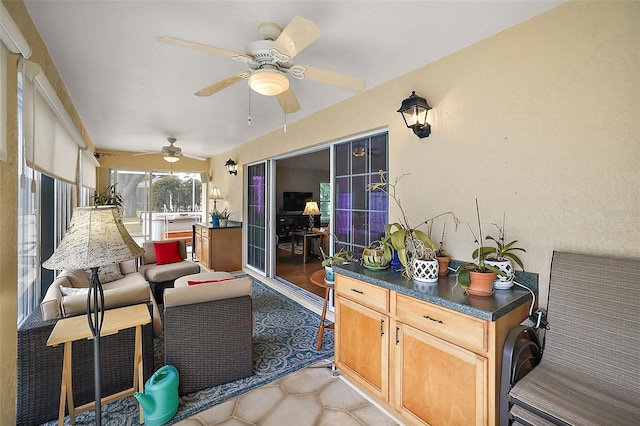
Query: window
[{"x": 325, "y": 202}]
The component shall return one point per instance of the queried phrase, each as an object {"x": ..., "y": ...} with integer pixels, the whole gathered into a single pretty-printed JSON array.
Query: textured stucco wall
[{"x": 540, "y": 122}]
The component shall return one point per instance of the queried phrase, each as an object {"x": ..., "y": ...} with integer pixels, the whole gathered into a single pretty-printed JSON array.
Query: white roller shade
[
  {"x": 89, "y": 165},
  {"x": 51, "y": 140}
]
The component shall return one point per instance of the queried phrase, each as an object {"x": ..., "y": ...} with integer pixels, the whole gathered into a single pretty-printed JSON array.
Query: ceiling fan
[
  {"x": 270, "y": 61},
  {"x": 172, "y": 153}
]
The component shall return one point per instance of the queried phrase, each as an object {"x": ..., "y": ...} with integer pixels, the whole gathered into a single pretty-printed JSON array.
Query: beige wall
[{"x": 541, "y": 122}]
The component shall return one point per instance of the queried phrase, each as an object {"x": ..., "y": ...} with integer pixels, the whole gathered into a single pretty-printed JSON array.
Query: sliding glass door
[
  {"x": 360, "y": 215},
  {"x": 257, "y": 216}
]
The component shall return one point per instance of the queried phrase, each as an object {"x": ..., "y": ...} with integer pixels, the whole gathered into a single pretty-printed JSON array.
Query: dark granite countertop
[
  {"x": 446, "y": 293},
  {"x": 232, "y": 224}
]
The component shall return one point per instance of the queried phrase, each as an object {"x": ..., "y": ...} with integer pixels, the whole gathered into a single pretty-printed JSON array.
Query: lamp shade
[
  {"x": 215, "y": 193},
  {"x": 268, "y": 82},
  {"x": 96, "y": 237},
  {"x": 311, "y": 208}
]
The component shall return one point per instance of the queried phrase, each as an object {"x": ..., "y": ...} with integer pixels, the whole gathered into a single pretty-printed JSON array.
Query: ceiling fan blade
[
  {"x": 195, "y": 157},
  {"x": 297, "y": 35},
  {"x": 196, "y": 45},
  {"x": 288, "y": 101},
  {"x": 345, "y": 81},
  {"x": 148, "y": 153},
  {"x": 222, "y": 84}
]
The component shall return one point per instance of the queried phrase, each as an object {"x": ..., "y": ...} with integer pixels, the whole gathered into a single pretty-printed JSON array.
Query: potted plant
[
  {"x": 416, "y": 251},
  {"x": 478, "y": 277},
  {"x": 377, "y": 255},
  {"x": 501, "y": 256},
  {"x": 223, "y": 217},
  {"x": 108, "y": 197},
  {"x": 338, "y": 258}
]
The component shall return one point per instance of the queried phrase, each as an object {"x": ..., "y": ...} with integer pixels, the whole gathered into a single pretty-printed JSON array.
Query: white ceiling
[{"x": 132, "y": 92}]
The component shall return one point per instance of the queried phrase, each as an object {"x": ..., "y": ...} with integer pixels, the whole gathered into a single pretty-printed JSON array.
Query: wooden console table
[
  {"x": 68, "y": 330},
  {"x": 304, "y": 235}
]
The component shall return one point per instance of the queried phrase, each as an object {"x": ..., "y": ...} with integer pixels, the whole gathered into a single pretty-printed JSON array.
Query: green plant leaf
[{"x": 515, "y": 258}]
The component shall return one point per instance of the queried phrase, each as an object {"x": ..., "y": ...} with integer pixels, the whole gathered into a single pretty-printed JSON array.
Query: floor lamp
[{"x": 96, "y": 237}]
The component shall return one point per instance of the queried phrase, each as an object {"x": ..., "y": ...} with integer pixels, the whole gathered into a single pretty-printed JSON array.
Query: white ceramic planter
[
  {"x": 502, "y": 283},
  {"x": 425, "y": 270}
]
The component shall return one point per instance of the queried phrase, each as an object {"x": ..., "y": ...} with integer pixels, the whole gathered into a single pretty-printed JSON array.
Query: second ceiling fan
[{"x": 270, "y": 62}]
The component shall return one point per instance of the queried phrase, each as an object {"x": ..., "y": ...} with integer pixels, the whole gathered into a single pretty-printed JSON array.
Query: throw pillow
[
  {"x": 70, "y": 291},
  {"x": 209, "y": 281},
  {"x": 168, "y": 252},
  {"x": 106, "y": 273}
]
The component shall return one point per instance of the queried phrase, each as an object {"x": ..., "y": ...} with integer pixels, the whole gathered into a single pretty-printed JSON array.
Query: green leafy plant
[
  {"x": 338, "y": 258},
  {"x": 410, "y": 243},
  {"x": 501, "y": 251},
  {"x": 108, "y": 197},
  {"x": 480, "y": 254},
  {"x": 224, "y": 214}
]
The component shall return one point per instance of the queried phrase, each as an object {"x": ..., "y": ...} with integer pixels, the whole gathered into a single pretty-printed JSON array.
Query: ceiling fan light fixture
[
  {"x": 268, "y": 82},
  {"x": 171, "y": 157}
]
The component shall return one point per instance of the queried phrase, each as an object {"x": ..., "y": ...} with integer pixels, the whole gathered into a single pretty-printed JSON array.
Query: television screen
[{"x": 295, "y": 201}]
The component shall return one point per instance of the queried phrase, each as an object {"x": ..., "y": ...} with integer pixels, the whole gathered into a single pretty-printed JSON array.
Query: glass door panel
[{"x": 256, "y": 222}]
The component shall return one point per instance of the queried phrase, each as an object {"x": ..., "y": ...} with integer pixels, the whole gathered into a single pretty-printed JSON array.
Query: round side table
[{"x": 318, "y": 279}]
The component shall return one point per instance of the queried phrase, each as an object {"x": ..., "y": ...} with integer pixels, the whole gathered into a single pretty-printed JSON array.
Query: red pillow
[
  {"x": 209, "y": 281},
  {"x": 167, "y": 252}
]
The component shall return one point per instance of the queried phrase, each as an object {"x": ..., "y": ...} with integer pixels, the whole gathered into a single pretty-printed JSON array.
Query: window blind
[{"x": 51, "y": 140}]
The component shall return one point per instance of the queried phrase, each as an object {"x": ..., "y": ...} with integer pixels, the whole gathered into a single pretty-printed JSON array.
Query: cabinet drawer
[
  {"x": 366, "y": 294},
  {"x": 450, "y": 325}
]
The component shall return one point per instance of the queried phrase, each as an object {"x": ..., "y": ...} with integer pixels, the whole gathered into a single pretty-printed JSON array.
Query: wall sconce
[
  {"x": 414, "y": 111},
  {"x": 232, "y": 167}
]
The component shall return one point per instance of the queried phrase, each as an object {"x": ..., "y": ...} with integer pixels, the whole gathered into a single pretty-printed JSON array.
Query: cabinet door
[
  {"x": 205, "y": 251},
  {"x": 198, "y": 244},
  {"x": 438, "y": 382},
  {"x": 362, "y": 345}
]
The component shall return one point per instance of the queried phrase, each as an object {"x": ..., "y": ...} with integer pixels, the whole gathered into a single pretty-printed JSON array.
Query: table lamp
[
  {"x": 215, "y": 195},
  {"x": 96, "y": 237},
  {"x": 311, "y": 208}
]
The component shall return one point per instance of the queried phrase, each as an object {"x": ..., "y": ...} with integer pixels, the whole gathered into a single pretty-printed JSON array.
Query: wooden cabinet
[
  {"x": 362, "y": 348},
  {"x": 219, "y": 249},
  {"x": 427, "y": 364}
]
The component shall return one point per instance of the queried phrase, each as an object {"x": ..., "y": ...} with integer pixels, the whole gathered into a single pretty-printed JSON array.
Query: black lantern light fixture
[
  {"x": 414, "y": 111},
  {"x": 232, "y": 167}
]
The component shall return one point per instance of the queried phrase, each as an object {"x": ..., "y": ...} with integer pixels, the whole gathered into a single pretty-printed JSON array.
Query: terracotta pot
[
  {"x": 481, "y": 283},
  {"x": 444, "y": 265}
]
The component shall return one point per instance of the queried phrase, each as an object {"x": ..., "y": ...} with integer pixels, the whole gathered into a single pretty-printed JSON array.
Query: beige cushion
[
  {"x": 129, "y": 267},
  {"x": 205, "y": 276},
  {"x": 106, "y": 273},
  {"x": 150, "y": 252},
  {"x": 207, "y": 292},
  {"x": 50, "y": 307},
  {"x": 114, "y": 297},
  {"x": 169, "y": 272}
]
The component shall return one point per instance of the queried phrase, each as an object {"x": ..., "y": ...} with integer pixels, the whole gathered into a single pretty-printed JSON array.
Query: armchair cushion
[
  {"x": 207, "y": 292},
  {"x": 168, "y": 252},
  {"x": 106, "y": 273}
]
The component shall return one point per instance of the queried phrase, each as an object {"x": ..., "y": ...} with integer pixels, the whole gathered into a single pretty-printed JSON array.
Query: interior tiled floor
[{"x": 309, "y": 397}]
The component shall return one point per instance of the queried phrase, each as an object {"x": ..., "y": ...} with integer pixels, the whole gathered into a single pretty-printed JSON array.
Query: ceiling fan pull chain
[
  {"x": 285, "y": 116},
  {"x": 249, "y": 119}
]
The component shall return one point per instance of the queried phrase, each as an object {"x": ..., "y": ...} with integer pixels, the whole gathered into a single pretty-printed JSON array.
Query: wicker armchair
[
  {"x": 209, "y": 340},
  {"x": 39, "y": 370},
  {"x": 586, "y": 372}
]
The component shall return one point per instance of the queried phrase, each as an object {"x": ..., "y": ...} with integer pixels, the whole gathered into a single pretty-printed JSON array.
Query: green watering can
[{"x": 160, "y": 400}]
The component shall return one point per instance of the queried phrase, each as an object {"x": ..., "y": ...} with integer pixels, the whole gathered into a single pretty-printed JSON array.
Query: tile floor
[{"x": 309, "y": 397}]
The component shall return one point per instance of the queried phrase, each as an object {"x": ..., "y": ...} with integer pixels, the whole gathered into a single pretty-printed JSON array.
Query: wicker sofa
[
  {"x": 208, "y": 330},
  {"x": 586, "y": 371},
  {"x": 39, "y": 369}
]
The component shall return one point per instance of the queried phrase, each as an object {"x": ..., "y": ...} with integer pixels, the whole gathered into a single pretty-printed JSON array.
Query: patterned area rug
[{"x": 283, "y": 342}]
